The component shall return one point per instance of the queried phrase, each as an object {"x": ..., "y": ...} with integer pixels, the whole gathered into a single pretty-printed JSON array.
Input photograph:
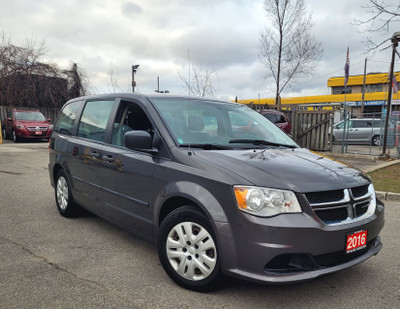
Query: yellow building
[{"x": 376, "y": 93}]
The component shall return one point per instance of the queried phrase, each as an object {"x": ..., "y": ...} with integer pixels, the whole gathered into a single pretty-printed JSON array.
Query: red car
[
  {"x": 278, "y": 118},
  {"x": 26, "y": 123}
]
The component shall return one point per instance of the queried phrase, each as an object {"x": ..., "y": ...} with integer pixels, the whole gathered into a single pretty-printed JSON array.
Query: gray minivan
[
  {"x": 217, "y": 186},
  {"x": 361, "y": 131}
]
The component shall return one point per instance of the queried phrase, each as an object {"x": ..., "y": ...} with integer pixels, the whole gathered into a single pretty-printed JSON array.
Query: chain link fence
[{"x": 364, "y": 133}]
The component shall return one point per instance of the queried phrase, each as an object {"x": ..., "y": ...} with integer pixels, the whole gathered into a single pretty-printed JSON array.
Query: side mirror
[
  {"x": 48, "y": 119},
  {"x": 139, "y": 140}
]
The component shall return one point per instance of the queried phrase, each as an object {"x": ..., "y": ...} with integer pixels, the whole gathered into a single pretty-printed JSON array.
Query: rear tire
[
  {"x": 187, "y": 249},
  {"x": 376, "y": 140},
  {"x": 4, "y": 133},
  {"x": 64, "y": 200}
]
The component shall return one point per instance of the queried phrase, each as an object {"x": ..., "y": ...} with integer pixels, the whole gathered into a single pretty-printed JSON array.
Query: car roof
[
  {"x": 140, "y": 96},
  {"x": 27, "y": 109}
]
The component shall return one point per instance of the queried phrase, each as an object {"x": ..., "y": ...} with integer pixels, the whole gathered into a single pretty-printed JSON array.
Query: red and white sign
[{"x": 356, "y": 241}]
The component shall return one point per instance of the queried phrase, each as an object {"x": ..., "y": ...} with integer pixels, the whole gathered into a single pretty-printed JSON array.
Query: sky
[{"x": 163, "y": 36}]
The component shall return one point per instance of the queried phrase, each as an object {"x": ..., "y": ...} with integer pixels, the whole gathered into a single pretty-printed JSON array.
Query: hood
[
  {"x": 35, "y": 123},
  {"x": 300, "y": 170}
]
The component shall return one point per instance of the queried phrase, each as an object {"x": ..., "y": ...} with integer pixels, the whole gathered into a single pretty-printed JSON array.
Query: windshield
[
  {"x": 218, "y": 123},
  {"x": 30, "y": 116}
]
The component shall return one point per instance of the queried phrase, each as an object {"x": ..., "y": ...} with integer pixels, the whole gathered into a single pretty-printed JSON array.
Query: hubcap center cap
[{"x": 192, "y": 250}]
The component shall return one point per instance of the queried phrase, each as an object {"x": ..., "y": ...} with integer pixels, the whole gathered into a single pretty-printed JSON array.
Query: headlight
[
  {"x": 51, "y": 127},
  {"x": 20, "y": 126},
  {"x": 266, "y": 202}
]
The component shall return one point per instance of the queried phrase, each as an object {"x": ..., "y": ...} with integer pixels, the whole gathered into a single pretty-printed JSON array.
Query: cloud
[
  {"x": 221, "y": 35},
  {"x": 130, "y": 9}
]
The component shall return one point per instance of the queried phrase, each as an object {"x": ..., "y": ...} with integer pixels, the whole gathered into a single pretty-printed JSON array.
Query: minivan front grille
[
  {"x": 359, "y": 191},
  {"x": 325, "y": 196},
  {"x": 333, "y": 214},
  {"x": 338, "y": 206},
  {"x": 361, "y": 208}
]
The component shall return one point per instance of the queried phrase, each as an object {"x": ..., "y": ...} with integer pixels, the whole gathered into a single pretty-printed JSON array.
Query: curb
[
  {"x": 383, "y": 165},
  {"x": 387, "y": 196},
  {"x": 352, "y": 156}
]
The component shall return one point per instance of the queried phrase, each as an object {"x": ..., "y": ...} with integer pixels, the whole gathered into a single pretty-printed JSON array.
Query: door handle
[
  {"x": 108, "y": 158},
  {"x": 94, "y": 154}
]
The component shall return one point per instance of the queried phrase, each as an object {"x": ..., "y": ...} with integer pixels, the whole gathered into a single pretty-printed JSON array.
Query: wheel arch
[
  {"x": 60, "y": 165},
  {"x": 57, "y": 167},
  {"x": 179, "y": 194}
]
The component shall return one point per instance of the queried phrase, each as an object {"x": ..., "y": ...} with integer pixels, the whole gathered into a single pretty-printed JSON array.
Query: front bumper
[
  {"x": 292, "y": 247},
  {"x": 32, "y": 135}
]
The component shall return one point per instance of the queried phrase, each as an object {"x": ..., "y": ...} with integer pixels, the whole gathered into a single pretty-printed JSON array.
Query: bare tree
[
  {"x": 202, "y": 82},
  {"x": 114, "y": 77},
  {"x": 382, "y": 16},
  {"x": 27, "y": 79},
  {"x": 287, "y": 47},
  {"x": 78, "y": 81}
]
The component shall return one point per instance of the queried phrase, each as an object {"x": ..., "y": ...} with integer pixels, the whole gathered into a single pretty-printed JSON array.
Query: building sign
[{"x": 368, "y": 103}]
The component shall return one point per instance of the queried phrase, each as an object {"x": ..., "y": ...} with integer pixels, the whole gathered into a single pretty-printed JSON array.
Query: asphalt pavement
[{"x": 47, "y": 261}]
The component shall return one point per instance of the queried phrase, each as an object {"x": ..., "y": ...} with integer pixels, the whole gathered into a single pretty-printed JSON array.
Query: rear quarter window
[
  {"x": 360, "y": 123},
  {"x": 94, "y": 120},
  {"x": 67, "y": 117},
  {"x": 270, "y": 117}
]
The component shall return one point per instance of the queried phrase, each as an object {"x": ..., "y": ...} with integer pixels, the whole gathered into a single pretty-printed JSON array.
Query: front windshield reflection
[{"x": 205, "y": 122}]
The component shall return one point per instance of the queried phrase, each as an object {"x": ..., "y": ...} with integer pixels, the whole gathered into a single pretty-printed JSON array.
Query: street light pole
[
  {"x": 395, "y": 40},
  {"x": 134, "y": 69}
]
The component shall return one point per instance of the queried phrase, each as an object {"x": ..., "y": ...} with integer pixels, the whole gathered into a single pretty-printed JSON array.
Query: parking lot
[{"x": 47, "y": 261}]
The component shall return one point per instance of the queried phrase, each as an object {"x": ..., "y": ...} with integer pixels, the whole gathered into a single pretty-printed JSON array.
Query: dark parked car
[
  {"x": 278, "y": 118},
  {"x": 26, "y": 123},
  {"x": 218, "y": 187}
]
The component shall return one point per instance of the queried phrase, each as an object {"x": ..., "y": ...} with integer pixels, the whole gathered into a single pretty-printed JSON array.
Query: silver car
[{"x": 363, "y": 131}]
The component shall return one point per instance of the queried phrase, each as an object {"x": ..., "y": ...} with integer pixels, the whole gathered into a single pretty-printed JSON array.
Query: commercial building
[{"x": 375, "y": 95}]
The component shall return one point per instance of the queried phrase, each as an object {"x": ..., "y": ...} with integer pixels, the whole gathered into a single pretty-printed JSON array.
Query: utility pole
[
  {"x": 158, "y": 87},
  {"x": 134, "y": 69},
  {"x": 395, "y": 40},
  {"x": 363, "y": 89}
]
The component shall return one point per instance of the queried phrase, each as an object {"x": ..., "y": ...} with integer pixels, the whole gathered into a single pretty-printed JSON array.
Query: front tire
[
  {"x": 15, "y": 137},
  {"x": 187, "y": 249},
  {"x": 64, "y": 200}
]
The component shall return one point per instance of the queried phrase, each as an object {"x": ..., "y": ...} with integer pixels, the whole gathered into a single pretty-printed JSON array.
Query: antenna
[{"x": 189, "y": 152}]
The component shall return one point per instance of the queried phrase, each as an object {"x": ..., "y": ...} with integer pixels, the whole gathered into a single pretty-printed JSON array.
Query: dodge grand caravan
[{"x": 219, "y": 188}]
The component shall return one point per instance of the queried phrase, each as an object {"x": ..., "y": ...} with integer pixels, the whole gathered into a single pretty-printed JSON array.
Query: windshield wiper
[
  {"x": 207, "y": 146},
  {"x": 259, "y": 142}
]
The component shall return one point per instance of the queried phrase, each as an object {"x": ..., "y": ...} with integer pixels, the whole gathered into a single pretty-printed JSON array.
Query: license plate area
[
  {"x": 38, "y": 132},
  {"x": 356, "y": 241}
]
